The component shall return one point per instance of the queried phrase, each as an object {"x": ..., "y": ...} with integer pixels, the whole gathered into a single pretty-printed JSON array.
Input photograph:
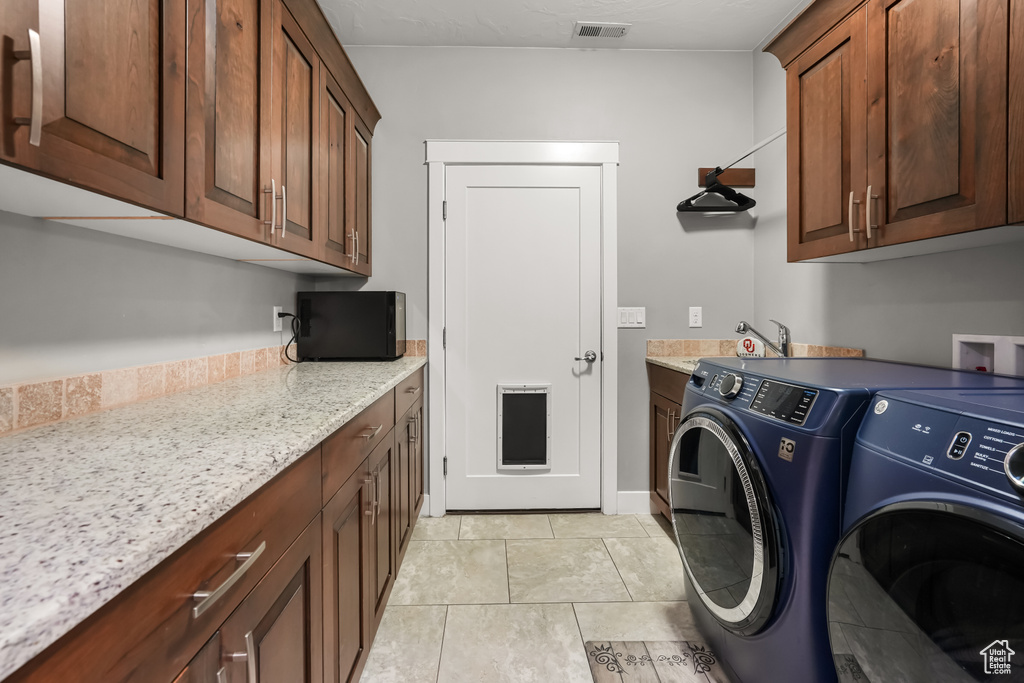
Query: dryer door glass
[
  {"x": 723, "y": 520},
  {"x": 929, "y": 592}
]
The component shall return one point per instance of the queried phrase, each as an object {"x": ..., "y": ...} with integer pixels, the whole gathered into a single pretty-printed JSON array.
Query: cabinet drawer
[
  {"x": 668, "y": 383},
  {"x": 349, "y": 446},
  {"x": 408, "y": 391},
  {"x": 149, "y": 632}
]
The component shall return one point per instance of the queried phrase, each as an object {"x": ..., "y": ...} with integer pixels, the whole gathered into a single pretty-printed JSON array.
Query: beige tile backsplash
[
  {"x": 695, "y": 348},
  {"x": 31, "y": 404}
]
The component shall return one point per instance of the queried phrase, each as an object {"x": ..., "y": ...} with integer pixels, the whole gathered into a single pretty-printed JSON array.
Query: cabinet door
[
  {"x": 276, "y": 634},
  {"x": 1015, "y": 124},
  {"x": 110, "y": 97},
  {"x": 665, "y": 416},
  {"x": 405, "y": 449},
  {"x": 937, "y": 120},
  {"x": 336, "y": 118},
  {"x": 417, "y": 461},
  {"x": 228, "y": 163},
  {"x": 347, "y": 601},
  {"x": 826, "y": 128},
  {"x": 295, "y": 114},
  {"x": 361, "y": 149},
  {"x": 383, "y": 542},
  {"x": 205, "y": 667}
]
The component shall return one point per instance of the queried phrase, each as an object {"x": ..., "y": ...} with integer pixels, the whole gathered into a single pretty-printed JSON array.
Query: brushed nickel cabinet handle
[
  {"x": 369, "y": 511},
  {"x": 222, "y": 675},
  {"x": 34, "y": 54},
  {"x": 671, "y": 416},
  {"x": 352, "y": 237},
  {"x": 849, "y": 215},
  {"x": 355, "y": 252},
  {"x": 207, "y": 599},
  {"x": 273, "y": 206},
  {"x": 250, "y": 651},
  {"x": 371, "y": 432},
  {"x": 284, "y": 209},
  {"x": 414, "y": 390},
  {"x": 867, "y": 211}
]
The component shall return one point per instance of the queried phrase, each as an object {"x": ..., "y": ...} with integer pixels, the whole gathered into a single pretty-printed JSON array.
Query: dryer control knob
[
  {"x": 1014, "y": 466},
  {"x": 730, "y": 386}
]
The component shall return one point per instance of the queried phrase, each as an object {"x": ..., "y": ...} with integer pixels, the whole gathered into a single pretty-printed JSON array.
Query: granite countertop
[
  {"x": 89, "y": 505},
  {"x": 678, "y": 363}
]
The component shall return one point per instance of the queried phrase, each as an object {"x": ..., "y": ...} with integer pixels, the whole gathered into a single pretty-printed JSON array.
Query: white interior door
[{"x": 523, "y": 301}]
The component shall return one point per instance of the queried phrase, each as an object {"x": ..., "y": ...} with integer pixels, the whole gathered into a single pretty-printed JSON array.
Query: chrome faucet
[{"x": 783, "y": 346}]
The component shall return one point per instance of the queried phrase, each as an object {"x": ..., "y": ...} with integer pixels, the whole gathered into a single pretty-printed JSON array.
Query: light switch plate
[{"x": 632, "y": 317}]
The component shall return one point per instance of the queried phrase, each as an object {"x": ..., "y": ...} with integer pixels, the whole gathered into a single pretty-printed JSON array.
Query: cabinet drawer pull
[
  {"x": 207, "y": 599},
  {"x": 414, "y": 390},
  {"x": 371, "y": 432},
  {"x": 250, "y": 651},
  {"x": 222, "y": 675},
  {"x": 273, "y": 206},
  {"x": 867, "y": 211},
  {"x": 849, "y": 215},
  {"x": 35, "y": 57}
]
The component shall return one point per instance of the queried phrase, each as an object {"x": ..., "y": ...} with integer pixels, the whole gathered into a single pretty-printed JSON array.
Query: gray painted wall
[
  {"x": 671, "y": 112},
  {"x": 77, "y": 300},
  {"x": 905, "y": 309}
]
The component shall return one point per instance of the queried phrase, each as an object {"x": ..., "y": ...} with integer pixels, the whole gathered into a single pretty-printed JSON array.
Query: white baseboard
[{"x": 634, "y": 502}]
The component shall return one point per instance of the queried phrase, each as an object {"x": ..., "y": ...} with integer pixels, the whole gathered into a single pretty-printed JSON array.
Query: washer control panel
[
  {"x": 785, "y": 402},
  {"x": 983, "y": 452}
]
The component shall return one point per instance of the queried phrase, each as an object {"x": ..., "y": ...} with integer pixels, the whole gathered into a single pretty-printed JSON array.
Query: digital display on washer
[{"x": 784, "y": 401}]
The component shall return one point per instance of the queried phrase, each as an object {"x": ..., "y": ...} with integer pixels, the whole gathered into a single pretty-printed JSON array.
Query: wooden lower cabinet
[
  {"x": 276, "y": 634},
  {"x": 409, "y": 450},
  {"x": 384, "y": 528},
  {"x": 346, "y": 551},
  {"x": 205, "y": 666},
  {"x": 666, "y": 412}
]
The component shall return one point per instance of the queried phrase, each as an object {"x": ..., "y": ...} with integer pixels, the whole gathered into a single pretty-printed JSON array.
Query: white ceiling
[{"x": 657, "y": 24}]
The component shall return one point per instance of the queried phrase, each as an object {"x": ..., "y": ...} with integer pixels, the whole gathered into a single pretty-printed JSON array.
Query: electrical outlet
[
  {"x": 632, "y": 317},
  {"x": 696, "y": 316},
  {"x": 277, "y": 319}
]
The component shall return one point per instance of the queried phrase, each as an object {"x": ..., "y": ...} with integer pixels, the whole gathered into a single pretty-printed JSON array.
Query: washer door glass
[
  {"x": 723, "y": 521},
  {"x": 929, "y": 592}
]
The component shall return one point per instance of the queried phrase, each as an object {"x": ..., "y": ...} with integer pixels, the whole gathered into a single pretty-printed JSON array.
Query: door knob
[{"x": 589, "y": 356}]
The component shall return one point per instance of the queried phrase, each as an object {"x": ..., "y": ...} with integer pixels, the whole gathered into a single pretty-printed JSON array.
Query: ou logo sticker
[
  {"x": 748, "y": 345},
  {"x": 786, "y": 449}
]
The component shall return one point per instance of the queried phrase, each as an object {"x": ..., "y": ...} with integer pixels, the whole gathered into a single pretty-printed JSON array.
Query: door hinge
[
  {"x": 444, "y": 210},
  {"x": 444, "y": 337},
  {"x": 446, "y": 465}
]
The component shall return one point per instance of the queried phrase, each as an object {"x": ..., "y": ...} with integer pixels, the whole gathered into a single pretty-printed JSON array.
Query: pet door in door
[{"x": 524, "y": 426}]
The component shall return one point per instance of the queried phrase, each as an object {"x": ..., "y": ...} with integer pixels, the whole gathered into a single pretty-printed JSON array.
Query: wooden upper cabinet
[
  {"x": 361, "y": 140},
  {"x": 228, "y": 164},
  {"x": 109, "y": 96},
  {"x": 295, "y": 118},
  {"x": 936, "y": 117},
  {"x": 825, "y": 121},
  {"x": 336, "y": 118},
  {"x": 1015, "y": 124},
  {"x": 903, "y": 104}
]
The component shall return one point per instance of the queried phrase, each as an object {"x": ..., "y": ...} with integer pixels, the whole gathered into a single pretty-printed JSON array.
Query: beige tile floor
[{"x": 496, "y": 598}]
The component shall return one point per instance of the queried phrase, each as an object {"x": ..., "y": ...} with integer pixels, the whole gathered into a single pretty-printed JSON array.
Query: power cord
[{"x": 295, "y": 335}]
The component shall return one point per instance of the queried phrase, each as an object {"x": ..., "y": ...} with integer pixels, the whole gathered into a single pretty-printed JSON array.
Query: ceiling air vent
[{"x": 599, "y": 29}]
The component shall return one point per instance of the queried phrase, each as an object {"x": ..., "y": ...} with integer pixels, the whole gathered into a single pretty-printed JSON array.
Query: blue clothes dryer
[
  {"x": 757, "y": 474},
  {"x": 927, "y": 584}
]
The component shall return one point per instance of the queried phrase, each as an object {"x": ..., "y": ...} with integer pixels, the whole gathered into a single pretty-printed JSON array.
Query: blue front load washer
[
  {"x": 927, "y": 584},
  {"x": 757, "y": 469}
]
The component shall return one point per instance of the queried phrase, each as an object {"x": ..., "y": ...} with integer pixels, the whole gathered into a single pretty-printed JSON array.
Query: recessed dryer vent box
[{"x": 989, "y": 353}]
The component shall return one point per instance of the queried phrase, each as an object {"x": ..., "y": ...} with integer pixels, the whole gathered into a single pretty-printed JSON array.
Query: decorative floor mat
[{"x": 654, "y": 662}]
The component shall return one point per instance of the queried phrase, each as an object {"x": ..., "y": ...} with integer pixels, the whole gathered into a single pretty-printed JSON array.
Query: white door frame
[{"x": 441, "y": 153}]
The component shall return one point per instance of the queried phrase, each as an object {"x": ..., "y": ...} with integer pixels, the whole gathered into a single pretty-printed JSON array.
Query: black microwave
[{"x": 351, "y": 325}]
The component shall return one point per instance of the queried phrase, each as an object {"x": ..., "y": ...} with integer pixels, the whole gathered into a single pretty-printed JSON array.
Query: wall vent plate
[{"x": 599, "y": 29}]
